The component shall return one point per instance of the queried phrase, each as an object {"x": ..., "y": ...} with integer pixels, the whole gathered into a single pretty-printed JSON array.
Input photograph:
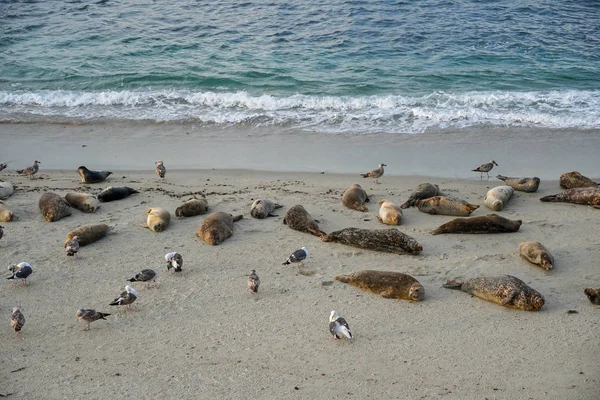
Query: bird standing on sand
[
  {"x": 253, "y": 281},
  {"x": 31, "y": 171},
  {"x": 487, "y": 167},
  {"x": 376, "y": 173},
  {"x": 89, "y": 316},
  {"x": 160, "y": 169},
  {"x": 338, "y": 327},
  {"x": 72, "y": 246},
  {"x": 17, "y": 319},
  {"x": 20, "y": 271},
  {"x": 126, "y": 298},
  {"x": 297, "y": 257},
  {"x": 3, "y": 166},
  {"x": 175, "y": 261},
  {"x": 145, "y": 275}
]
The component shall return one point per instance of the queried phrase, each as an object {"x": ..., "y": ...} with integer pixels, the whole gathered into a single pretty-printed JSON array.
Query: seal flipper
[
  {"x": 272, "y": 215},
  {"x": 552, "y": 198},
  {"x": 509, "y": 298},
  {"x": 237, "y": 217},
  {"x": 453, "y": 284}
]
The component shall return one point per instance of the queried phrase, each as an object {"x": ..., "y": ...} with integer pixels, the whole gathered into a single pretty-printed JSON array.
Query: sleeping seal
[
  {"x": 390, "y": 285},
  {"x": 6, "y": 190},
  {"x": 88, "y": 176},
  {"x": 82, "y": 201},
  {"x": 424, "y": 191},
  {"x": 299, "y": 219},
  {"x": 537, "y": 254},
  {"x": 192, "y": 207},
  {"x": 571, "y": 180},
  {"x": 263, "y": 208},
  {"x": 582, "y": 195},
  {"x": 217, "y": 227},
  {"x": 593, "y": 294},
  {"x": 354, "y": 198},
  {"x": 389, "y": 213},
  {"x": 5, "y": 214},
  {"x": 497, "y": 197},
  {"x": 54, "y": 207},
  {"x": 491, "y": 223},
  {"x": 390, "y": 240},
  {"x": 528, "y": 185},
  {"x": 442, "y": 205},
  {"x": 115, "y": 193},
  {"x": 157, "y": 219},
  {"x": 88, "y": 233}
]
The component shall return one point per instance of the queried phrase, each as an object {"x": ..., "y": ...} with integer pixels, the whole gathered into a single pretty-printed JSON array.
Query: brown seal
[
  {"x": 88, "y": 176},
  {"x": 528, "y": 185},
  {"x": 571, "y": 180},
  {"x": 589, "y": 196},
  {"x": 442, "y": 205},
  {"x": 83, "y": 201},
  {"x": 263, "y": 208},
  {"x": 355, "y": 197},
  {"x": 593, "y": 295},
  {"x": 5, "y": 214},
  {"x": 88, "y": 233},
  {"x": 424, "y": 191},
  {"x": 217, "y": 227},
  {"x": 157, "y": 219},
  {"x": 505, "y": 290},
  {"x": 389, "y": 213},
  {"x": 390, "y": 285},
  {"x": 491, "y": 223},
  {"x": 537, "y": 254},
  {"x": 192, "y": 207},
  {"x": 54, "y": 207},
  {"x": 390, "y": 240},
  {"x": 299, "y": 219}
]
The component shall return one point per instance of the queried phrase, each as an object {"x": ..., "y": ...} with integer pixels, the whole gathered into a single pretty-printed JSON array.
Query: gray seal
[
  {"x": 589, "y": 196},
  {"x": 528, "y": 185},
  {"x": 424, "y": 191},
  {"x": 263, "y": 208},
  {"x": 390, "y": 240},
  {"x": 88, "y": 176},
  {"x": 300, "y": 220},
  {"x": 115, "y": 193},
  {"x": 355, "y": 197}
]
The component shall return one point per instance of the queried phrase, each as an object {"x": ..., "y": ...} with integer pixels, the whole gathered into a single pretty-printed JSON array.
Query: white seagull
[
  {"x": 338, "y": 327},
  {"x": 297, "y": 257}
]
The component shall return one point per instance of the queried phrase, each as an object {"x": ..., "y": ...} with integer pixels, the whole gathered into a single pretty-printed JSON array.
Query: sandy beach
[{"x": 202, "y": 334}]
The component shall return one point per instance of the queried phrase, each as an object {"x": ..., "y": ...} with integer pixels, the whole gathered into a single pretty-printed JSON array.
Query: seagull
[
  {"x": 338, "y": 327},
  {"x": 487, "y": 167},
  {"x": 17, "y": 319},
  {"x": 3, "y": 165},
  {"x": 126, "y": 298},
  {"x": 253, "y": 281},
  {"x": 31, "y": 171},
  {"x": 297, "y": 257},
  {"x": 72, "y": 246},
  {"x": 376, "y": 173},
  {"x": 20, "y": 271},
  {"x": 160, "y": 169},
  {"x": 175, "y": 261},
  {"x": 89, "y": 316},
  {"x": 145, "y": 275}
]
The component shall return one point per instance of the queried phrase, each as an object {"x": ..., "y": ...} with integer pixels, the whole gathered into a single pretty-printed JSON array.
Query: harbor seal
[
  {"x": 83, "y": 201},
  {"x": 263, "y": 208},
  {"x": 497, "y": 197},
  {"x": 571, "y": 180},
  {"x": 442, "y": 205},
  {"x": 192, "y": 207},
  {"x": 376, "y": 173},
  {"x": 299, "y": 219},
  {"x": 537, "y": 254},
  {"x": 593, "y": 295},
  {"x": 88, "y": 176},
  {"x": 491, "y": 223},
  {"x": 424, "y": 191},
  {"x": 54, "y": 207},
  {"x": 528, "y": 185},
  {"x": 505, "y": 290},
  {"x": 115, "y": 193},
  {"x": 5, "y": 214},
  {"x": 217, "y": 227},
  {"x": 354, "y": 198},
  {"x": 389, "y": 213},
  {"x": 88, "y": 233},
  {"x": 389, "y": 285},
  {"x": 6, "y": 190},
  {"x": 157, "y": 219},
  {"x": 584, "y": 195},
  {"x": 390, "y": 240}
]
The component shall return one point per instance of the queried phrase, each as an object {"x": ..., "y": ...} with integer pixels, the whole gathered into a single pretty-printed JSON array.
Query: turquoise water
[{"x": 332, "y": 66}]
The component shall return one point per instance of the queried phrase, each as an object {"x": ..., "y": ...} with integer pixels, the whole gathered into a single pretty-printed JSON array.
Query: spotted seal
[
  {"x": 157, "y": 219},
  {"x": 263, "y": 208},
  {"x": 424, "y": 191},
  {"x": 217, "y": 227},
  {"x": 88, "y": 176},
  {"x": 491, "y": 223},
  {"x": 584, "y": 195},
  {"x": 537, "y": 254},
  {"x": 192, "y": 207},
  {"x": 88, "y": 233},
  {"x": 355, "y": 197},
  {"x": 84, "y": 202},
  {"x": 115, "y": 193},
  {"x": 442, "y": 205},
  {"x": 389, "y": 213},
  {"x": 528, "y": 185},
  {"x": 390, "y": 240},
  {"x": 299, "y": 219},
  {"x": 571, "y": 180},
  {"x": 5, "y": 214},
  {"x": 54, "y": 207},
  {"x": 390, "y": 285}
]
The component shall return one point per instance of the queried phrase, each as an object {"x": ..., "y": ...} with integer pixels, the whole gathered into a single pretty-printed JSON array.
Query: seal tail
[
  {"x": 472, "y": 207},
  {"x": 132, "y": 280},
  {"x": 342, "y": 278},
  {"x": 453, "y": 284},
  {"x": 407, "y": 204},
  {"x": 501, "y": 177},
  {"x": 552, "y": 198}
]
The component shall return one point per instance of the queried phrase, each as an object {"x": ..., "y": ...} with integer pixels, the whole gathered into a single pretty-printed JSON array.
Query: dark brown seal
[
  {"x": 528, "y": 185},
  {"x": 571, "y": 180},
  {"x": 390, "y": 240},
  {"x": 299, "y": 219},
  {"x": 115, "y": 193},
  {"x": 88, "y": 233},
  {"x": 424, "y": 191},
  {"x": 263, "y": 208},
  {"x": 217, "y": 227},
  {"x": 536, "y": 253},
  {"x": 192, "y": 207},
  {"x": 593, "y": 295},
  {"x": 82, "y": 201},
  {"x": 491, "y": 223},
  {"x": 88, "y": 176},
  {"x": 54, "y": 207},
  {"x": 355, "y": 198},
  {"x": 589, "y": 196},
  {"x": 390, "y": 285}
]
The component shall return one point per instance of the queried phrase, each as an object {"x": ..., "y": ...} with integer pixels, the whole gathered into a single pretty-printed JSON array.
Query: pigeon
[
  {"x": 20, "y": 271},
  {"x": 297, "y": 257},
  {"x": 487, "y": 167},
  {"x": 253, "y": 281},
  {"x": 72, "y": 246},
  {"x": 31, "y": 171},
  {"x": 160, "y": 169},
  {"x": 376, "y": 173},
  {"x": 175, "y": 261},
  {"x": 17, "y": 319},
  {"x": 126, "y": 298},
  {"x": 89, "y": 316},
  {"x": 338, "y": 327},
  {"x": 145, "y": 275}
]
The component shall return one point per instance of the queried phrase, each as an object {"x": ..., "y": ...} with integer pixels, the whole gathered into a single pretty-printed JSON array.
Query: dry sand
[{"x": 202, "y": 334}]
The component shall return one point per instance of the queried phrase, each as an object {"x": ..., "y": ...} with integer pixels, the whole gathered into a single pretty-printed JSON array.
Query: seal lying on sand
[
  {"x": 5, "y": 214},
  {"x": 157, "y": 219},
  {"x": 390, "y": 285},
  {"x": 88, "y": 176},
  {"x": 586, "y": 195},
  {"x": 389, "y": 213},
  {"x": 6, "y": 190},
  {"x": 442, "y": 205},
  {"x": 497, "y": 197},
  {"x": 115, "y": 193},
  {"x": 263, "y": 208},
  {"x": 299, "y": 219},
  {"x": 491, "y": 223},
  {"x": 390, "y": 240},
  {"x": 528, "y": 185},
  {"x": 192, "y": 207},
  {"x": 571, "y": 180},
  {"x": 54, "y": 207},
  {"x": 505, "y": 290},
  {"x": 83, "y": 201},
  {"x": 593, "y": 295},
  {"x": 537, "y": 254},
  {"x": 217, "y": 227},
  {"x": 88, "y": 233},
  {"x": 424, "y": 191},
  {"x": 354, "y": 198}
]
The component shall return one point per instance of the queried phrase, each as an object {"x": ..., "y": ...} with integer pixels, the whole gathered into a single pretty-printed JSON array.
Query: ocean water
[{"x": 329, "y": 66}]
